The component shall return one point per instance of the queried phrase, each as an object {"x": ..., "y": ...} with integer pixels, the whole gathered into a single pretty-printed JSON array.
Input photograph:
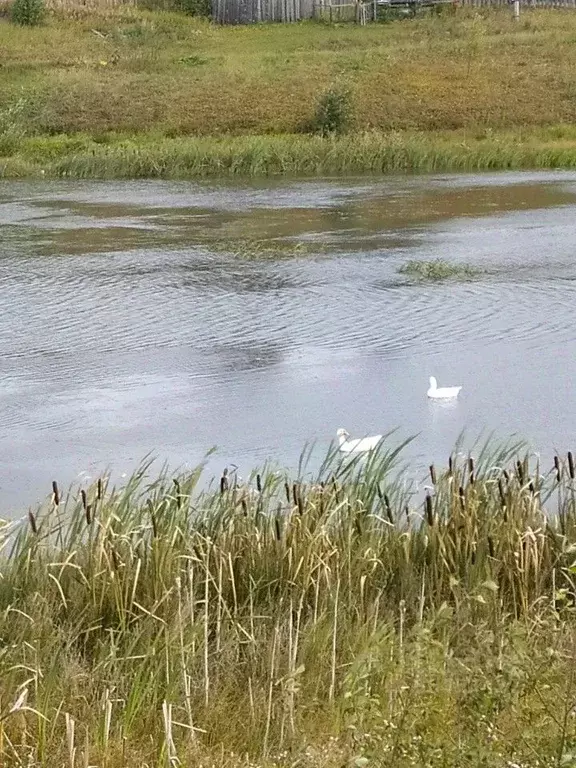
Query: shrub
[
  {"x": 333, "y": 112},
  {"x": 196, "y": 7},
  {"x": 28, "y": 13}
]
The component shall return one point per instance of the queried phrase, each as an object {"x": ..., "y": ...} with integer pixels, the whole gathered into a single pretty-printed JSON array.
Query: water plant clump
[
  {"x": 347, "y": 620},
  {"x": 438, "y": 269}
]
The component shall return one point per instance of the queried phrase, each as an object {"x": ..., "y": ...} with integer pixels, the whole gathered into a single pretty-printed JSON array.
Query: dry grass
[
  {"x": 129, "y": 70},
  {"x": 330, "y": 622}
]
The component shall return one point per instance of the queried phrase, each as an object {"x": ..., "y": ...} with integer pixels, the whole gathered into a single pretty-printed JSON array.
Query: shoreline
[{"x": 115, "y": 156}]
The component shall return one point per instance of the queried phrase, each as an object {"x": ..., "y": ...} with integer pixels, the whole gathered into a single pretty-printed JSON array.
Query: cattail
[
  {"x": 32, "y": 521},
  {"x": 471, "y": 470},
  {"x": 88, "y": 514},
  {"x": 429, "y": 511},
  {"x": 55, "y": 493},
  {"x": 99, "y": 489},
  {"x": 571, "y": 465},
  {"x": 520, "y": 470},
  {"x": 178, "y": 496},
  {"x": 295, "y": 493},
  {"x": 298, "y": 499},
  {"x": 154, "y": 526},
  {"x": 244, "y": 506},
  {"x": 558, "y": 468},
  {"x": 531, "y": 487},
  {"x": 224, "y": 484},
  {"x": 450, "y": 465},
  {"x": 490, "y": 546},
  {"x": 388, "y": 509},
  {"x": 336, "y": 494},
  {"x": 501, "y": 491},
  {"x": 506, "y": 475},
  {"x": 287, "y": 491},
  {"x": 462, "y": 496},
  {"x": 83, "y": 497},
  {"x": 433, "y": 474},
  {"x": 278, "y": 529},
  {"x": 258, "y": 483}
]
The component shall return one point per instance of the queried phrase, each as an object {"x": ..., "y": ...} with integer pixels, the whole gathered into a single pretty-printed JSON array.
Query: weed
[
  {"x": 439, "y": 269},
  {"x": 317, "y": 620}
]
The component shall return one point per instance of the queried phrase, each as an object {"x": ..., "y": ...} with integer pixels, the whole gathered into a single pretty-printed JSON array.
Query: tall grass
[
  {"x": 291, "y": 621},
  {"x": 149, "y": 157}
]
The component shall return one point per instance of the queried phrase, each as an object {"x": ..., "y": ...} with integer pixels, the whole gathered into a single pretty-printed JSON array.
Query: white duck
[
  {"x": 360, "y": 445},
  {"x": 441, "y": 393}
]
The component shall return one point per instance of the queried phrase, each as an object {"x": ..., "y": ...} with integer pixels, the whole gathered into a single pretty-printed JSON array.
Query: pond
[{"x": 171, "y": 317}]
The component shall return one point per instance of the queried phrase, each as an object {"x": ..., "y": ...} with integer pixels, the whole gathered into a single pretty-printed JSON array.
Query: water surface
[{"x": 160, "y": 317}]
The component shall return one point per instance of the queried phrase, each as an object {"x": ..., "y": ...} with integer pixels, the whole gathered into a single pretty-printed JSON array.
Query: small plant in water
[
  {"x": 27, "y": 13},
  {"x": 438, "y": 269}
]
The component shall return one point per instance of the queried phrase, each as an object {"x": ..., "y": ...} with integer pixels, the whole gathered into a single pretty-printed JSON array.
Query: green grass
[
  {"x": 328, "y": 621},
  {"x": 121, "y": 92},
  {"x": 438, "y": 269},
  {"x": 148, "y": 156}
]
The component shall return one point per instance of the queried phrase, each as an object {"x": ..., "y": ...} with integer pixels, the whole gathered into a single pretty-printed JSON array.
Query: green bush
[
  {"x": 196, "y": 7},
  {"x": 28, "y": 13},
  {"x": 333, "y": 112}
]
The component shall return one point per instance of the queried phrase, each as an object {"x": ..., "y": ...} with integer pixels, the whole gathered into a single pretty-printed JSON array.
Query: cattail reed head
[
  {"x": 88, "y": 514},
  {"x": 429, "y": 510},
  {"x": 462, "y": 497},
  {"x": 99, "y": 489},
  {"x": 558, "y": 468},
  {"x": 491, "y": 546},
  {"x": 471, "y": 465},
  {"x": 83, "y": 497},
  {"x": 259, "y": 483},
  {"x": 450, "y": 464},
  {"x": 388, "y": 509},
  {"x": 55, "y": 493},
  {"x": 295, "y": 493},
  {"x": 224, "y": 485},
  {"x": 178, "y": 493},
  {"x": 277, "y": 529},
  {"x": 244, "y": 506},
  {"x": 32, "y": 521},
  {"x": 433, "y": 474},
  {"x": 287, "y": 491},
  {"x": 520, "y": 470},
  {"x": 571, "y": 465},
  {"x": 501, "y": 491}
]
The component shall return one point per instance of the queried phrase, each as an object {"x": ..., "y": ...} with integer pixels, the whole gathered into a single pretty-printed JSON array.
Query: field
[
  {"x": 322, "y": 622},
  {"x": 131, "y": 92}
]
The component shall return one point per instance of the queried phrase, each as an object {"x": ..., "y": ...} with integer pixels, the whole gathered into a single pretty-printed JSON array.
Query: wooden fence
[
  {"x": 248, "y": 11},
  {"x": 254, "y": 11}
]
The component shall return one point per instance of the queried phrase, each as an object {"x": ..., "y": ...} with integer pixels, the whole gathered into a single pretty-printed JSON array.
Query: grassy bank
[
  {"x": 128, "y": 92},
  {"x": 332, "y": 622},
  {"x": 160, "y": 157}
]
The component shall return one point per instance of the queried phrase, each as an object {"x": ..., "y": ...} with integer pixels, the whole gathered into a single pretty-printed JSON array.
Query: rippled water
[{"x": 140, "y": 317}]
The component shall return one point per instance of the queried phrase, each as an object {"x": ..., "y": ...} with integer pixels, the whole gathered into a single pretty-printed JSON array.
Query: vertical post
[{"x": 516, "y": 10}]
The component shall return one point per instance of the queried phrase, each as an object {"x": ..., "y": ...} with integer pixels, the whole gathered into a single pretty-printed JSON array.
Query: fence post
[{"x": 516, "y": 10}]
